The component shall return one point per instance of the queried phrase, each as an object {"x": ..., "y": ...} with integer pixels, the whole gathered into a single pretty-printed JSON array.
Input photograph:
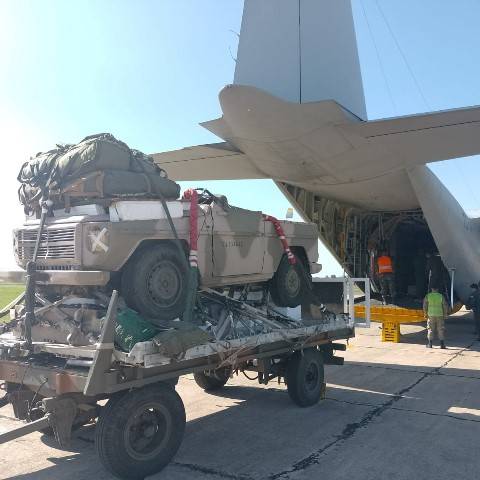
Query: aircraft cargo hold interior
[{"x": 357, "y": 237}]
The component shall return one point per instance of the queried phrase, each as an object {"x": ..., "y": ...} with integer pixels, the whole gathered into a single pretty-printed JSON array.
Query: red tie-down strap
[
  {"x": 192, "y": 195},
  {"x": 281, "y": 235}
]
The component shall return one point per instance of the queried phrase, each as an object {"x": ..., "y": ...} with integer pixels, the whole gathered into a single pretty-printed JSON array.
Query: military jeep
[{"x": 129, "y": 244}]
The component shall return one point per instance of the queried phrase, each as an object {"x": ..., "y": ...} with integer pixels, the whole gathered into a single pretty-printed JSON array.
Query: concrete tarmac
[{"x": 396, "y": 411}]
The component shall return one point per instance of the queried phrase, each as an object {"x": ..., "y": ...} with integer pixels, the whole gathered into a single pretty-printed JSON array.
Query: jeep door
[{"x": 238, "y": 242}]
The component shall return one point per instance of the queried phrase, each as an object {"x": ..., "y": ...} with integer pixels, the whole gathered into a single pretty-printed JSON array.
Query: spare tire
[{"x": 155, "y": 282}]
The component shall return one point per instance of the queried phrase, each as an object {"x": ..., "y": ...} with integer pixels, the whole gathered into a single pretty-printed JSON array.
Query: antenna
[{"x": 230, "y": 48}]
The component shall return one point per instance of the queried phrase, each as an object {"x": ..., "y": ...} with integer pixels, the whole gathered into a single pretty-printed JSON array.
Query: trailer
[{"x": 140, "y": 418}]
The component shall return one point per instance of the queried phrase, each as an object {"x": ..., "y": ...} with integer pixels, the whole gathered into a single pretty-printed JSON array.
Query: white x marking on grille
[{"x": 97, "y": 240}]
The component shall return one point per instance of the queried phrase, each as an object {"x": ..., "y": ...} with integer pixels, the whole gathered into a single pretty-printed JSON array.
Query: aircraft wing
[
  {"x": 420, "y": 139},
  {"x": 215, "y": 161}
]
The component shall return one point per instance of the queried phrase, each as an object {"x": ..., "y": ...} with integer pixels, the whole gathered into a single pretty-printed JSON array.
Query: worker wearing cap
[
  {"x": 385, "y": 276},
  {"x": 435, "y": 310}
]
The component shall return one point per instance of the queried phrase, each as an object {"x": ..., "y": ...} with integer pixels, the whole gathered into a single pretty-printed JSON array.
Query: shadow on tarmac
[{"x": 264, "y": 436}]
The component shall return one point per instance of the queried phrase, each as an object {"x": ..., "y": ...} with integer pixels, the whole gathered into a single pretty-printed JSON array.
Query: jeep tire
[
  {"x": 287, "y": 286},
  {"x": 155, "y": 282}
]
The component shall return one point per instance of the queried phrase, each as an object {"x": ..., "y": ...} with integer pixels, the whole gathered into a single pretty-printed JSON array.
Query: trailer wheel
[
  {"x": 211, "y": 380},
  {"x": 139, "y": 432},
  {"x": 155, "y": 281},
  {"x": 287, "y": 284},
  {"x": 305, "y": 377}
]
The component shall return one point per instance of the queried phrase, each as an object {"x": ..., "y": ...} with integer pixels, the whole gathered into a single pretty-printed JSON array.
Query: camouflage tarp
[
  {"x": 174, "y": 342},
  {"x": 51, "y": 173},
  {"x": 132, "y": 328}
]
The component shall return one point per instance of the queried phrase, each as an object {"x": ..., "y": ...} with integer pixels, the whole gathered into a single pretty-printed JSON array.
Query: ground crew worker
[
  {"x": 385, "y": 276},
  {"x": 435, "y": 310}
]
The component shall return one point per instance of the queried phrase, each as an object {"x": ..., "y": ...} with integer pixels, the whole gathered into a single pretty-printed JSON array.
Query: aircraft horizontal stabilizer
[
  {"x": 424, "y": 138},
  {"x": 215, "y": 161},
  {"x": 321, "y": 145}
]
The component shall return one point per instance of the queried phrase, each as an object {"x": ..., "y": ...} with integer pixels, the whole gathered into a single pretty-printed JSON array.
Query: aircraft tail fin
[{"x": 301, "y": 51}]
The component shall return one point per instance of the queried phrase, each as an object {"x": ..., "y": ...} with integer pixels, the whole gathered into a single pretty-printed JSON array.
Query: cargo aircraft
[{"x": 296, "y": 114}]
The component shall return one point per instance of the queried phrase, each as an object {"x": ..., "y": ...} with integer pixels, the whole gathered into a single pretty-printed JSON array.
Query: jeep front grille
[{"x": 56, "y": 243}]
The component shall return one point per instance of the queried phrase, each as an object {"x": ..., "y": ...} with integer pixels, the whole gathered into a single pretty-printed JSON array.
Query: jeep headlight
[{"x": 98, "y": 239}]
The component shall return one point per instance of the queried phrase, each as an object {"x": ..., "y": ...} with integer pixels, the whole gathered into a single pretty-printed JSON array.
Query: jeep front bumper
[{"x": 73, "y": 277}]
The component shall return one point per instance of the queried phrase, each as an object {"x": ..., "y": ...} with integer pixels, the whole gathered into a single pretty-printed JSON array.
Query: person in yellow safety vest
[
  {"x": 385, "y": 276},
  {"x": 435, "y": 310}
]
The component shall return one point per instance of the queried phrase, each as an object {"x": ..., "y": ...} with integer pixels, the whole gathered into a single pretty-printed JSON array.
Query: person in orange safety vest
[{"x": 386, "y": 277}]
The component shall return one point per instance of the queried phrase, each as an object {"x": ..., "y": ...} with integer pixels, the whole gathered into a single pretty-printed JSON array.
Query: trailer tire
[
  {"x": 287, "y": 284},
  {"x": 305, "y": 377},
  {"x": 155, "y": 281},
  {"x": 140, "y": 431},
  {"x": 211, "y": 380}
]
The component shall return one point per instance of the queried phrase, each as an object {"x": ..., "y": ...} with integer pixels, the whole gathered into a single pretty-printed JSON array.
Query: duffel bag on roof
[
  {"x": 117, "y": 183},
  {"x": 54, "y": 170}
]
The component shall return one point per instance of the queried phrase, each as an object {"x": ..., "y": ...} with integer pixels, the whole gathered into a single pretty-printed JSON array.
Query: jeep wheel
[
  {"x": 155, "y": 282},
  {"x": 287, "y": 285}
]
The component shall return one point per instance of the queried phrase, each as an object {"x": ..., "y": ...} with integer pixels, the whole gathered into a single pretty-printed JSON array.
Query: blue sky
[{"x": 150, "y": 71}]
